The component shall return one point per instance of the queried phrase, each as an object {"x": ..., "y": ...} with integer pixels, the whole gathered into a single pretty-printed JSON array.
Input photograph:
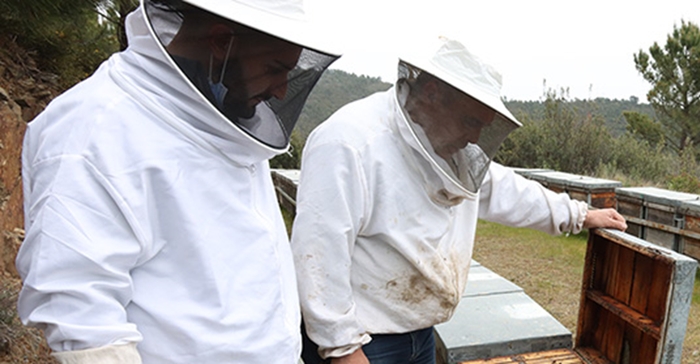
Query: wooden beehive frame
[
  {"x": 624, "y": 299},
  {"x": 635, "y": 300}
]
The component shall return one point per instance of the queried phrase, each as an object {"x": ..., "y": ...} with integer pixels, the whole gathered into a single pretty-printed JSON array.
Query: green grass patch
[{"x": 569, "y": 250}]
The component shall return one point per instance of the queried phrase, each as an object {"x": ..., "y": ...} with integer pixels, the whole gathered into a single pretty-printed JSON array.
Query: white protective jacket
[
  {"x": 377, "y": 247},
  {"x": 150, "y": 219}
]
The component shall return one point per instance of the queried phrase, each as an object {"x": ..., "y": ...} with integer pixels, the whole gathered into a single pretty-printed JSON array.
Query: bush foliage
[
  {"x": 561, "y": 139},
  {"x": 565, "y": 139}
]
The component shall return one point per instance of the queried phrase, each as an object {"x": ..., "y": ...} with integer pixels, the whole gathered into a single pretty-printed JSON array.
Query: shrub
[
  {"x": 562, "y": 138},
  {"x": 638, "y": 161}
]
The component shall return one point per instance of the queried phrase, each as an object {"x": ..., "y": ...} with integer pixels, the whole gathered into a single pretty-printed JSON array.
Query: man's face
[
  {"x": 256, "y": 71},
  {"x": 453, "y": 121}
]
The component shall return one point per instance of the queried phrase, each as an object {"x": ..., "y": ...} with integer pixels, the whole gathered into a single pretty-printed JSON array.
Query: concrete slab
[
  {"x": 482, "y": 282},
  {"x": 494, "y": 325}
]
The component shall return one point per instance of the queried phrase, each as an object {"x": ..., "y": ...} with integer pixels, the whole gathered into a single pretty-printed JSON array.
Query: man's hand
[
  {"x": 605, "y": 218},
  {"x": 358, "y": 357}
]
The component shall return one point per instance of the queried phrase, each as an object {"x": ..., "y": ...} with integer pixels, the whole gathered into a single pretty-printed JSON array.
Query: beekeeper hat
[
  {"x": 284, "y": 19},
  {"x": 451, "y": 62}
]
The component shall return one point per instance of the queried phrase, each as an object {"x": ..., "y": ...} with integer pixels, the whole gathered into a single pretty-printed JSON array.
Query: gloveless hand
[{"x": 605, "y": 218}]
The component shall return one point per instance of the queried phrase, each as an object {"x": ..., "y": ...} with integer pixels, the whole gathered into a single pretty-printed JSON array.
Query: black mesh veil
[
  {"x": 302, "y": 79},
  {"x": 261, "y": 86}
]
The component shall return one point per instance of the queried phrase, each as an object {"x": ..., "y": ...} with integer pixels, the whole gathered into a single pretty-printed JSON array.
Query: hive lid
[
  {"x": 574, "y": 180},
  {"x": 657, "y": 195}
]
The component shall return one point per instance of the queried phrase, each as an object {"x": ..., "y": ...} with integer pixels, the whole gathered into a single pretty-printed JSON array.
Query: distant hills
[
  {"x": 337, "y": 88},
  {"x": 609, "y": 110}
]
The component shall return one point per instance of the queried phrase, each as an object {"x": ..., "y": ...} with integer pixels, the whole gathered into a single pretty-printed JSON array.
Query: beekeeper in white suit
[
  {"x": 390, "y": 191},
  {"x": 153, "y": 234}
]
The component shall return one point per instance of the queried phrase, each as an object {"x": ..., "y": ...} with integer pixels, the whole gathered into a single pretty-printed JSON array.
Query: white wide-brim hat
[
  {"x": 283, "y": 19},
  {"x": 452, "y": 63}
]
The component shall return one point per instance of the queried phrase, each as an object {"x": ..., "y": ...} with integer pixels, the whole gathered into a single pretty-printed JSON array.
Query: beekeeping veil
[
  {"x": 450, "y": 62},
  {"x": 254, "y": 61}
]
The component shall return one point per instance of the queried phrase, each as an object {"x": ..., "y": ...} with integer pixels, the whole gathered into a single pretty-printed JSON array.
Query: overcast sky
[{"x": 585, "y": 46}]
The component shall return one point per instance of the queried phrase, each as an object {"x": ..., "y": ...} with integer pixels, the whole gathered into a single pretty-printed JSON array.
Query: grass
[
  {"x": 691, "y": 345},
  {"x": 550, "y": 269}
]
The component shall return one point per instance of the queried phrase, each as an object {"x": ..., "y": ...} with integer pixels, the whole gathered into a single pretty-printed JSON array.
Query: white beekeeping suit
[
  {"x": 385, "y": 222},
  {"x": 153, "y": 231}
]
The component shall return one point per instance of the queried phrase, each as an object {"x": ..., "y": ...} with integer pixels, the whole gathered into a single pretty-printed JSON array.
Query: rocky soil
[{"x": 24, "y": 92}]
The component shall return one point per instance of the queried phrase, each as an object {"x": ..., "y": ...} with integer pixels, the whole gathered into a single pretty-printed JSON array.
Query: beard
[
  {"x": 238, "y": 110},
  {"x": 239, "y": 103},
  {"x": 235, "y": 103}
]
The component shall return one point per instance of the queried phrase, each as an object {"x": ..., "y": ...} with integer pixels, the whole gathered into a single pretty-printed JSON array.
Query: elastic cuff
[
  {"x": 344, "y": 350},
  {"x": 582, "y": 213},
  {"x": 112, "y": 354}
]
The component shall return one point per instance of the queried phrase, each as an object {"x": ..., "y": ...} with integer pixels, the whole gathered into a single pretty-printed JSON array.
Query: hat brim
[
  {"x": 295, "y": 30},
  {"x": 491, "y": 101}
]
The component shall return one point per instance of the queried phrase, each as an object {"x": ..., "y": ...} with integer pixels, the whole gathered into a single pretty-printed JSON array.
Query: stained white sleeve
[
  {"x": 76, "y": 257},
  {"x": 112, "y": 354},
  {"x": 510, "y": 199},
  {"x": 331, "y": 205}
]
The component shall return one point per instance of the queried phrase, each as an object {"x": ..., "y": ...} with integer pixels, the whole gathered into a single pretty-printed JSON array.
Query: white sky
[{"x": 585, "y": 46}]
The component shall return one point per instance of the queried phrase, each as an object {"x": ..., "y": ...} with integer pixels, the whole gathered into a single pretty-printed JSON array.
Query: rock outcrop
[{"x": 24, "y": 92}]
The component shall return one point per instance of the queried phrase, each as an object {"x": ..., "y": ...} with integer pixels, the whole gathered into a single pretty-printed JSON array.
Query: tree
[
  {"x": 643, "y": 127},
  {"x": 115, "y": 12},
  {"x": 674, "y": 73},
  {"x": 68, "y": 37}
]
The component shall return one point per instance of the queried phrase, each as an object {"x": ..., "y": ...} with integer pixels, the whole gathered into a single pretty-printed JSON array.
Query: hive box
[
  {"x": 597, "y": 192},
  {"x": 635, "y": 300},
  {"x": 690, "y": 236},
  {"x": 654, "y": 214}
]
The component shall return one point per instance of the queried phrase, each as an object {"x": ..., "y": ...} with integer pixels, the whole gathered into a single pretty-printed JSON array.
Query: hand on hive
[{"x": 605, "y": 218}]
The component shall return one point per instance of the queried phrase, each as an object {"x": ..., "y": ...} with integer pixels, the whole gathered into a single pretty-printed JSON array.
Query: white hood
[{"x": 164, "y": 90}]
